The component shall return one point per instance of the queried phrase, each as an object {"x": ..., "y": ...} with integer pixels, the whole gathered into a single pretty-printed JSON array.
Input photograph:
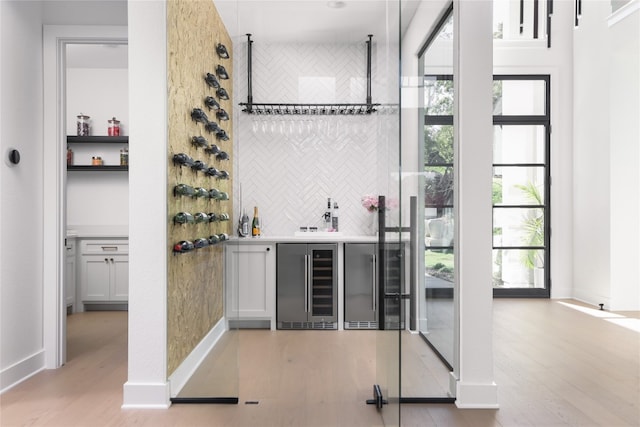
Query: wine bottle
[{"x": 255, "y": 225}]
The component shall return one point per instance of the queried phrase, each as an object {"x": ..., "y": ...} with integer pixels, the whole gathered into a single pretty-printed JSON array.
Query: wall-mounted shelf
[
  {"x": 344, "y": 109},
  {"x": 98, "y": 139},
  {"x": 103, "y": 168},
  {"x": 309, "y": 109}
]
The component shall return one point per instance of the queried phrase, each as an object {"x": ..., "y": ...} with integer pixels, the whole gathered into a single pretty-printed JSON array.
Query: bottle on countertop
[
  {"x": 255, "y": 225},
  {"x": 243, "y": 227},
  {"x": 327, "y": 216},
  {"x": 334, "y": 217}
]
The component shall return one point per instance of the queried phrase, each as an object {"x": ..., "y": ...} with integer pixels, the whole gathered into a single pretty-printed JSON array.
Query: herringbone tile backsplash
[{"x": 289, "y": 165}]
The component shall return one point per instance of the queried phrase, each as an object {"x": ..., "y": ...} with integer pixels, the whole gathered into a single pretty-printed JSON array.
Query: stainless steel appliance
[
  {"x": 360, "y": 286},
  {"x": 306, "y": 279},
  {"x": 362, "y": 263}
]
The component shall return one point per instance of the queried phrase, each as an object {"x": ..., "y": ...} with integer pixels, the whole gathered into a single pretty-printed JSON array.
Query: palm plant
[{"x": 533, "y": 226}]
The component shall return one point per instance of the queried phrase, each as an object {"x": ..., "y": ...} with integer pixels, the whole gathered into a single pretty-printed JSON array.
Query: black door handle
[{"x": 396, "y": 296}]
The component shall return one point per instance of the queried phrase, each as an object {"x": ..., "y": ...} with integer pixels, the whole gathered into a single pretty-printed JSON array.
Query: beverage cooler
[
  {"x": 362, "y": 263},
  {"x": 306, "y": 286}
]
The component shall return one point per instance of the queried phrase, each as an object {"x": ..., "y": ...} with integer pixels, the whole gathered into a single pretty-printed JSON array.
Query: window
[
  {"x": 521, "y": 185},
  {"x": 520, "y": 179}
]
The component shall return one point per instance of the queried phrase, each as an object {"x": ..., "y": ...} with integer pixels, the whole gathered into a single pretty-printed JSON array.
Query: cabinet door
[
  {"x": 251, "y": 275},
  {"x": 70, "y": 280},
  {"x": 360, "y": 290},
  {"x": 95, "y": 278},
  {"x": 292, "y": 282},
  {"x": 119, "y": 286},
  {"x": 323, "y": 283}
]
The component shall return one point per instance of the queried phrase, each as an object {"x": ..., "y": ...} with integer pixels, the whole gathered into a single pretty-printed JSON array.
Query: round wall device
[{"x": 12, "y": 156}]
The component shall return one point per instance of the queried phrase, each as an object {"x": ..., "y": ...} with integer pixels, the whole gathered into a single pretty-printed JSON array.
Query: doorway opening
[{"x": 64, "y": 246}]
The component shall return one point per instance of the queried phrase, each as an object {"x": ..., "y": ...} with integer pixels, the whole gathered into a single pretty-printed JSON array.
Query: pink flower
[{"x": 370, "y": 203}]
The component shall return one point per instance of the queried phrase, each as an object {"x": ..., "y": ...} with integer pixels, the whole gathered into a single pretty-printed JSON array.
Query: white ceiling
[
  {"x": 313, "y": 20},
  {"x": 278, "y": 21}
]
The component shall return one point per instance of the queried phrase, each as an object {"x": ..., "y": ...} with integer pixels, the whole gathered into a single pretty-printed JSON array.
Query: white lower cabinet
[
  {"x": 250, "y": 274},
  {"x": 70, "y": 274},
  {"x": 104, "y": 271}
]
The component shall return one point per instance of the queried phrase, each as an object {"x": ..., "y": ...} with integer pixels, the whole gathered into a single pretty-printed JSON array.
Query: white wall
[
  {"x": 591, "y": 161},
  {"x": 624, "y": 133},
  {"x": 21, "y": 351},
  {"x": 101, "y": 93},
  {"x": 97, "y": 198},
  {"x": 606, "y": 159}
]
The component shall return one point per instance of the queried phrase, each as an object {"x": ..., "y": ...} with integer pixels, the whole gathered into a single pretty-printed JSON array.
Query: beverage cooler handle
[
  {"x": 306, "y": 283},
  {"x": 374, "y": 279}
]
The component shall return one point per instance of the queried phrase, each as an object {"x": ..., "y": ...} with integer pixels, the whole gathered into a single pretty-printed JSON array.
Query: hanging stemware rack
[{"x": 339, "y": 109}]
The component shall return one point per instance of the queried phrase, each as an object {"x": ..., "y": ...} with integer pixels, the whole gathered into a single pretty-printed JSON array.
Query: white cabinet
[
  {"x": 70, "y": 273},
  {"x": 250, "y": 284},
  {"x": 104, "y": 271}
]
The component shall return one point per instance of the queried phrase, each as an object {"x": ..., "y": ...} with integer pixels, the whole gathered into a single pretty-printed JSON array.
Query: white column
[
  {"x": 147, "y": 385},
  {"x": 473, "y": 70}
]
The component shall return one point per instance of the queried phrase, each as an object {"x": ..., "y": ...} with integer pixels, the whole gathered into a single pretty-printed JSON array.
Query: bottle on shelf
[
  {"x": 69, "y": 156},
  {"x": 255, "y": 224},
  {"x": 124, "y": 157},
  {"x": 83, "y": 126},
  {"x": 114, "y": 127},
  {"x": 334, "y": 217}
]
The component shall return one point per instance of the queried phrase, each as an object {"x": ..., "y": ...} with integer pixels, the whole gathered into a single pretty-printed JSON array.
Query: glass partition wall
[{"x": 436, "y": 259}]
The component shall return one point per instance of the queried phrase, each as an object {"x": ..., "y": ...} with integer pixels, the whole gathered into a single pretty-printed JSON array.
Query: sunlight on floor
[
  {"x": 617, "y": 319},
  {"x": 633, "y": 324},
  {"x": 592, "y": 311}
]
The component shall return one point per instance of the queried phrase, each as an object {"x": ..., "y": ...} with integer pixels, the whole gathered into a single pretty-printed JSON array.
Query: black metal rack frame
[{"x": 339, "y": 109}]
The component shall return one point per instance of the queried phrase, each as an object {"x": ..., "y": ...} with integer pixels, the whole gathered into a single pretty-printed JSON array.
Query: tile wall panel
[{"x": 289, "y": 165}]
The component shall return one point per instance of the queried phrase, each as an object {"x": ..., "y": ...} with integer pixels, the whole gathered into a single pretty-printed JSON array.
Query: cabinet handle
[
  {"x": 306, "y": 283},
  {"x": 109, "y": 248},
  {"x": 374, "y": 279},
  {"x": 106, "y": 260},
  {"x": 111, "y": 259}
]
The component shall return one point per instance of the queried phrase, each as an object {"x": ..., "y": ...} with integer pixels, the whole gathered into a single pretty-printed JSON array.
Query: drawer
[{"x": 98, "y": 247}]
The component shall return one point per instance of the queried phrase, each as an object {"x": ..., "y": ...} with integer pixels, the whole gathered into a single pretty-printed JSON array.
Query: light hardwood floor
[{"x": 554, "y": 366}]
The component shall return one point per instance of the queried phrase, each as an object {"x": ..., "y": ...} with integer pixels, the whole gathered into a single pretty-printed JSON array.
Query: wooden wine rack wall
[{"x": 195, "y": 278}]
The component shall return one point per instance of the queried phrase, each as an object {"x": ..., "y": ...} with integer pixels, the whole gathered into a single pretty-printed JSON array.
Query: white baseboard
[
  {"x": 183, "y": 373},
  {"x": 20, "y": 371},
  {"x": 146, "y": 395},
  {"x": 477, "y": 396}
]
